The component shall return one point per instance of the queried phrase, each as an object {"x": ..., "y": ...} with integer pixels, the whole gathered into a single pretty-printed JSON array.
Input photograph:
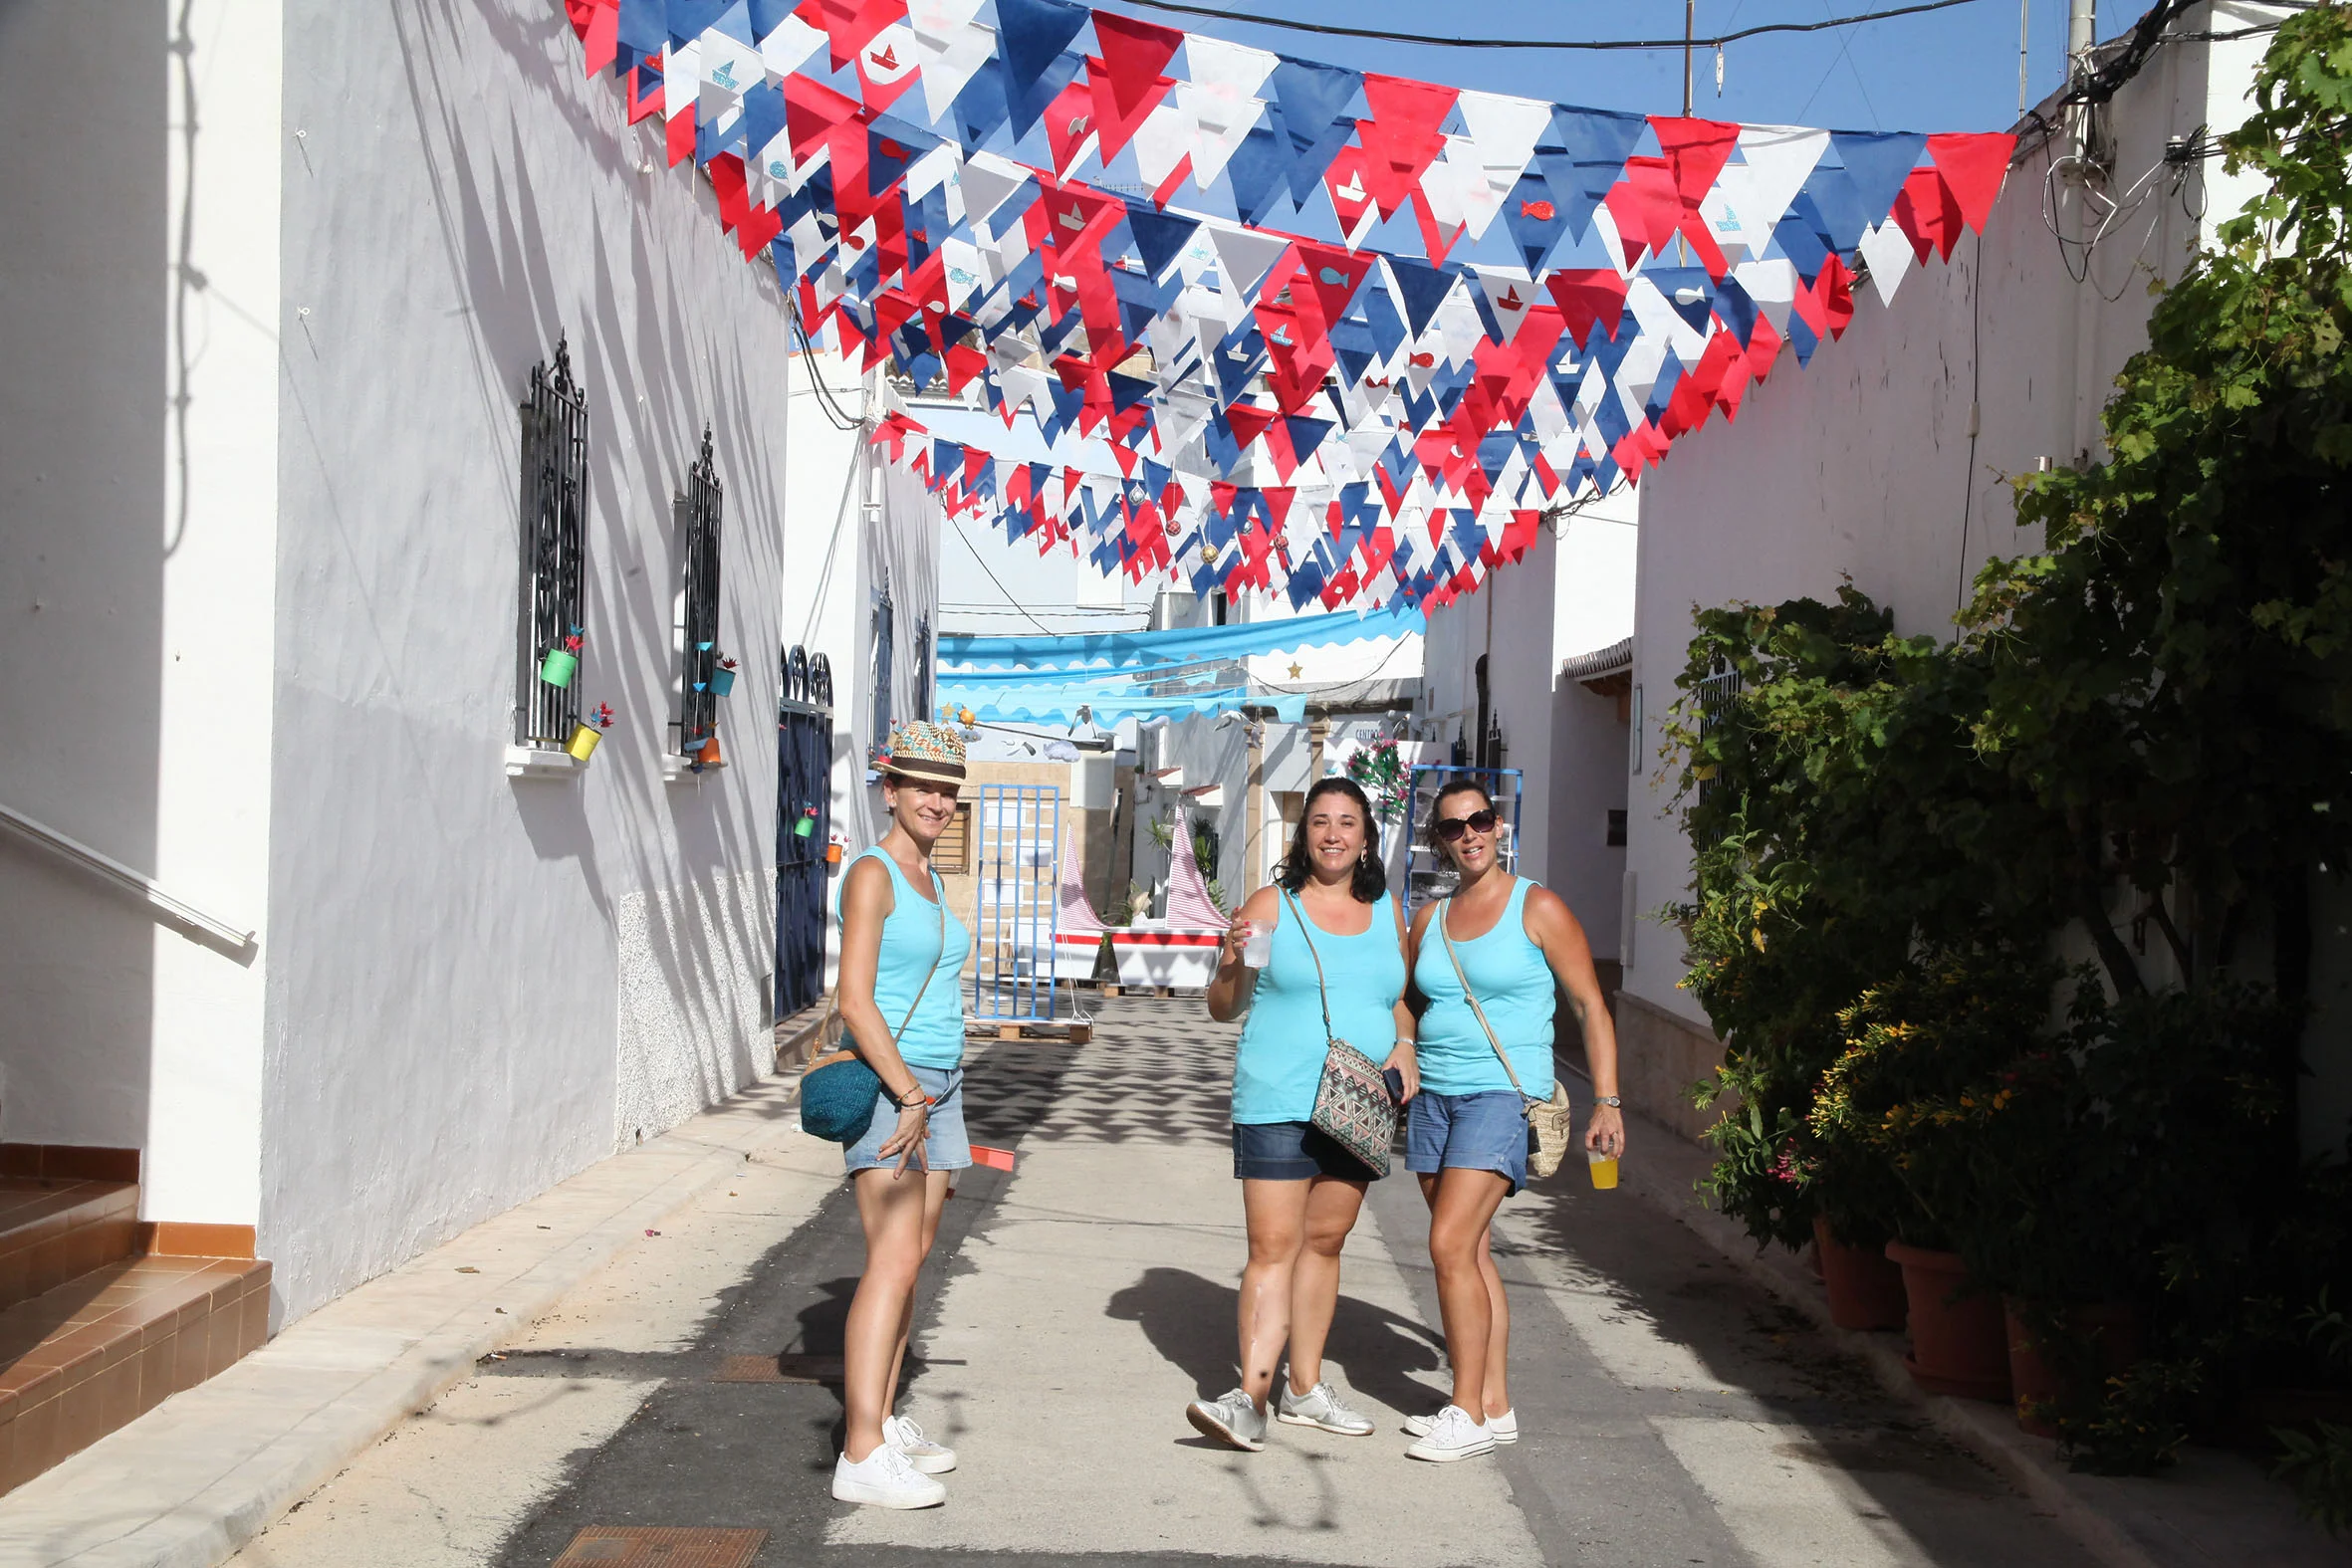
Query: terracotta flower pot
[
  {"x": 1865, "y": 1291},
  {"x": 1959, "y": 1340},
  {"x": 2039, "y": 1372}
]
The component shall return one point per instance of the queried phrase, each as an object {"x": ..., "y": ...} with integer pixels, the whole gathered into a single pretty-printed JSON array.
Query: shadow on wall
[{"x": 83, "y": 486}]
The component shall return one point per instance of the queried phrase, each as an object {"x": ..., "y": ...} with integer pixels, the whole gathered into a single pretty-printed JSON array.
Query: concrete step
[
  {"x": 103, "y": 1349},
  {"x": 53, "y": 1230}
]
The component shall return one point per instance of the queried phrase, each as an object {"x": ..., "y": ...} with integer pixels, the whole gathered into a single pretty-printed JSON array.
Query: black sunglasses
[{"x": 1450, "y": 828}]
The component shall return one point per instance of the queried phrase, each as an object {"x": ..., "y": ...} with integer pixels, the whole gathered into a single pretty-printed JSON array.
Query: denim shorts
[
  {"x": 945, "y": 1145},
  {"x": 1290, "y": 1151},
  {"x": 1485, "y": 1131}
]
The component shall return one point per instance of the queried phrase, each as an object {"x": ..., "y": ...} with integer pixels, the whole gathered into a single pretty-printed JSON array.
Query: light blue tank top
[
  {"x": 1515, "y": 987},
  {"x": 911, "y": 948},
  {"x": 1280, "y": 1059}
]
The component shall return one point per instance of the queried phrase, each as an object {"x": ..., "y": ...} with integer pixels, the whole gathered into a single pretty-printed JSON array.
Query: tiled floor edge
[
  {"x": 201, "y": 1526},
  {"x": 1786, "y": 1278}
]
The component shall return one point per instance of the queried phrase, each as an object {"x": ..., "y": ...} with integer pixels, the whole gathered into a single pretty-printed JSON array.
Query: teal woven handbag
[{"x": 839, "y": 1091}]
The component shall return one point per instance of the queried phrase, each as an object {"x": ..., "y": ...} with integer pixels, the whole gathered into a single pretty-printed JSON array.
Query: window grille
[
  {"x": 555, "y": 516},
  {"x": 1716, "y": 693},
  {"x": 700, "y": 509},
  {"x": 881, "y": 705}
]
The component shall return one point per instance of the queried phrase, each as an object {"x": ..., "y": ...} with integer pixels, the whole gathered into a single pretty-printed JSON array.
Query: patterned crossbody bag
[
  {"x": 1351, "y": 1103},
  {"x": 1550, "y": 1120}
]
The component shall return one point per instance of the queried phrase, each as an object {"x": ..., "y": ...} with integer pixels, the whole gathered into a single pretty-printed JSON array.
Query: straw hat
[{"x": 931, "y": 752}]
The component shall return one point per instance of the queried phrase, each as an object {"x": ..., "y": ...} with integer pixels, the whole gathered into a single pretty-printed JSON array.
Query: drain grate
[
  {"x": 779, "y": 1369},
  {"x": 626, "y": 1546}
]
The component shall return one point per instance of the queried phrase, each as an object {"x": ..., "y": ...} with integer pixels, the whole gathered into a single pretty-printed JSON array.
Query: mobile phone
[{"x": 1396, "y": 1083}]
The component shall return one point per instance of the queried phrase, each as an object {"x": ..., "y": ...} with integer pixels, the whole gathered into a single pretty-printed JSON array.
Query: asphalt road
[{"x": 1673, "y": 1413}]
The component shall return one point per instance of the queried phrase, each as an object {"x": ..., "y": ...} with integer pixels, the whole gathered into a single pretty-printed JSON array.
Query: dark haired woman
[
  {"x": 1337, "y": 940},
  {"x": 901, "y": 953},
  {"x": 1467, "y": 1137}
]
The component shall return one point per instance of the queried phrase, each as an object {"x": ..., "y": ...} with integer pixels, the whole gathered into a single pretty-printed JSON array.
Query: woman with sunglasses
[
  {"x": 1467, "y": 1136},
  {"x": 1337, "y": 944}
]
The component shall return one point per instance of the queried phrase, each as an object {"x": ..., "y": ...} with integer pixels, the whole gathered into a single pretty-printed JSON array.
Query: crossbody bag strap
[
  {"x": 1322, "y": 993},
  {"x": 1472, "y": 997}
]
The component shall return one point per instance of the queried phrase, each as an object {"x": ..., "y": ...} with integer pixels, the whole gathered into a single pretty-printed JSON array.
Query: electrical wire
[
  {"x": 958, "y": 525},
  {"x": 834, "y": 414},
  {"x": 1333, "y": 30}
]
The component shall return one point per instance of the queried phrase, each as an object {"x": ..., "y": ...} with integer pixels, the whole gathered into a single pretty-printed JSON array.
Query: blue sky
[{"x": 1952, "y": 70}]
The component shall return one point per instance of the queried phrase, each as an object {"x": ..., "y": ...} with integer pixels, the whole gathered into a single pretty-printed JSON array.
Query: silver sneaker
[
  {"x": 1320, "y": 1407},
  {"x": 884, "y": 1479},
  {"x": 1233, "y": 1417},
  {"x": 1453, "y": 1436},
  {"x": 1502, "y": 1428},
  {"x": 928, "y": 1458}
]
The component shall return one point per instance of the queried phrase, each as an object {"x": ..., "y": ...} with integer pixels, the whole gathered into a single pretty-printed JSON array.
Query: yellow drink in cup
[{"x": 1604, "y": 1169}]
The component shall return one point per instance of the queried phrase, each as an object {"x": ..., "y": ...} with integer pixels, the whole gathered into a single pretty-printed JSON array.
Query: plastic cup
[
  {"x": 1603, "y": 1167},
  {"x": 1258, "y": 945}
]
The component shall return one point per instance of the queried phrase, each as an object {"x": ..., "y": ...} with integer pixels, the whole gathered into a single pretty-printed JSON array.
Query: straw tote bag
[
  {"x": 1550, "y": 1120},
  {"x": 1351, "y": 1103}
]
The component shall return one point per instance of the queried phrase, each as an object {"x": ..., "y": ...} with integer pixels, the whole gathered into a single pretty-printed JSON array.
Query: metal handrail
[{"x": 239, "y": 945}]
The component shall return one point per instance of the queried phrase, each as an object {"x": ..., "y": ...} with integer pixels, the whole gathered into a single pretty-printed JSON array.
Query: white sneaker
[
  {"x": 884, "y": 1479},
  {"x": 1502, "y": 1428},
  {"x": 1453, "y": 1436},
  {"x": 928, "y": 1458},
  {"x": 1233, "y": 1419},
  {"x": 1320, "y": 1407}
]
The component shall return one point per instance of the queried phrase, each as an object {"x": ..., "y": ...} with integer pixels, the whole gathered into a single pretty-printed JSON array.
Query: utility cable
[{"x": 1336, "y": 31}]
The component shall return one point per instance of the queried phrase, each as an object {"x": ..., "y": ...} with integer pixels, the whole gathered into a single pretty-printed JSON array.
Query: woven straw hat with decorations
[{"x": 926, "y": 751}]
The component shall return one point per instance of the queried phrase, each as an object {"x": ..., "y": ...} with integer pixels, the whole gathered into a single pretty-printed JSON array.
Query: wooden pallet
[{"x": 1074, "y": 1032}]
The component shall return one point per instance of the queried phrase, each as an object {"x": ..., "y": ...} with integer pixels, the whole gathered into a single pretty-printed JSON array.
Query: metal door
[
  {"x": 804, "y": 824},
  {"x": 1017, "y": 908}
]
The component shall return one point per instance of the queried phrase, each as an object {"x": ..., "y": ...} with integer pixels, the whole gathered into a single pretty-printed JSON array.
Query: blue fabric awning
[{"x": 1132, "y": 650}]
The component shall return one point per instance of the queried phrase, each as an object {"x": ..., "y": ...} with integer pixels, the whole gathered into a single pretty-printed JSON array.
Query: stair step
[
  {"x": 101, "y": 1350},
  {"x": 53, "y": 1230}
]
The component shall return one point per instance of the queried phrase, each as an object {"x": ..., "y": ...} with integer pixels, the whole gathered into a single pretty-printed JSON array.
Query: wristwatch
[{"x": 1609, "y": 1100}]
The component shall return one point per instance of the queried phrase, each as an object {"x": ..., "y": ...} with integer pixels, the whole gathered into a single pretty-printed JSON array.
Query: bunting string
[{"x": 1335, "y": 335}]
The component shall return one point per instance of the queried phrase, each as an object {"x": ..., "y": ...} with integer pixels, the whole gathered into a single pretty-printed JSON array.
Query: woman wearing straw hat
[
  {"x": 900, "y": 1000},
  {"x": 1489, "y": 955}
]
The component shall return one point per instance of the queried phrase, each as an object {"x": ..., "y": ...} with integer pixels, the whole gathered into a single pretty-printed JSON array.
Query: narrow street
[{"x": 1673, "y": 1413}]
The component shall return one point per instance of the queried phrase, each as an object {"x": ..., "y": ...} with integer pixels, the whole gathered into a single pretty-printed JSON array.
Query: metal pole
[
  {"x": 2025, "y": 34},
  {"x": 1689, "y": 12}
]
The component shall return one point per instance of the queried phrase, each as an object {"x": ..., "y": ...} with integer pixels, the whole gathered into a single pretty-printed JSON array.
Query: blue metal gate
[
  {"x": 1017, "y": 908},
  {"x": 804, "y": 827}
]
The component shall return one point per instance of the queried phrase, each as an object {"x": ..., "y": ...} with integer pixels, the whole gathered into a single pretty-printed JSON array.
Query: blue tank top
[
  {"x": 1280, "y": 1059},
  {"x": 1515, "y": 987},
  {"x": 911, "y": 949}
]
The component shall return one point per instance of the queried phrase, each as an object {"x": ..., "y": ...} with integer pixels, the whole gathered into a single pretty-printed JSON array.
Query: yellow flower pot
[{"x": 584, "y": 742}]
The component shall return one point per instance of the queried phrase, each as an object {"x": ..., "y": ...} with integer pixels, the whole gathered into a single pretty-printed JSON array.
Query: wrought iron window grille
[
  {"x": 701, "y": 511},
  {"x": 881, "y": 714},
  {"x": 549, "y": 613},
  {"x": 808, "y": 682}
]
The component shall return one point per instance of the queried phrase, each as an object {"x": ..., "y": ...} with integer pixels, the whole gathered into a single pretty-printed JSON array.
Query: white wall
[
  {"x": 1571, "y": 594},
  {"x": 1863, "y": 463},
  {"x": 479, "y": 985},
  {"x": 84, "y": 291}
]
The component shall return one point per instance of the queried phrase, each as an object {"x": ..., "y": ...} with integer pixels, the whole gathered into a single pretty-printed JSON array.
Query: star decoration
[{"x": 1295, "y": 672}]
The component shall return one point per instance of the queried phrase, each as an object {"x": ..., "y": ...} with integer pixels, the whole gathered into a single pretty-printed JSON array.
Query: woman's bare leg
[
  {"x": 935, "y": 1186},
  {"x": 1330, "y": 1211},
  {"x": 1462, "y": 1208},
  {"x": 1275, "y": 1214},
  {"x": 890, "y": 1205}
]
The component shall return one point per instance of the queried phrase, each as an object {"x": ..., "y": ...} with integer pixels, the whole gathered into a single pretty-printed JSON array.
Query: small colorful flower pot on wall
[
  {"x": 804, "y": 827},
  {"x": 584, "y": 742},
  {"x": 721, "y": 682},
  {"x": 832, "y": 855},
  {"x": 708, "y": 756},
  {"x": 557, "y": 667}
]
